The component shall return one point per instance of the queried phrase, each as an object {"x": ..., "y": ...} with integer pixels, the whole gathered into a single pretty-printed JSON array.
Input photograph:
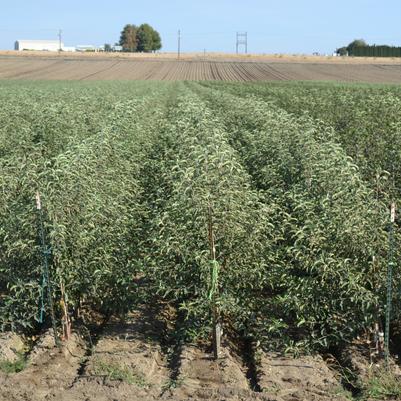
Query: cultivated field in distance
[{"x": 196, "y": 66}]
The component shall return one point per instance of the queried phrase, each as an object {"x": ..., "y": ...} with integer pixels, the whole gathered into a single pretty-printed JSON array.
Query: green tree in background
[
  {"x": 156, "y": 41},
  {"x": 129, "y": 38},
  {"x": 342, "y": 51},
  {"x": 349, "y": 50},
  {"x": 140, "y": 39},
  {"x": 145, "y": 38},
  {"x": 356, "y": 43},
  {"x": 148, "y": 39}
]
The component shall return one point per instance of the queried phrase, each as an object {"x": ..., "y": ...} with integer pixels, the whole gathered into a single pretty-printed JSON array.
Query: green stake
[
  {"x": 214, "y": 288},
  {"x": 389, "y": 284},
  {"x": 46, "y": 252}
]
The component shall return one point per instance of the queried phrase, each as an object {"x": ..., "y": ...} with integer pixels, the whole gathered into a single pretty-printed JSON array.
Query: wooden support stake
[
  {"x": 66, "y": 321},
  {"x": 216, "y": 339}
]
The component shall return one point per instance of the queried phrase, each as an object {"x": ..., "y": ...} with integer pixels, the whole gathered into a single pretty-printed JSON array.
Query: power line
[{"x": 28, "y": 29}]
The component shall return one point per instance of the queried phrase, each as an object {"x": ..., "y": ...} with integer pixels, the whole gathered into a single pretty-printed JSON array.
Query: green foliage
[
  {"x": 325, "y": 275},
  {"x": 293, "y": 181},
  {"x": 156, "y": 40},
  {"x": 356, "y": 44},
  {"x": 342, "y": 51},
  {"x": 173, "y": 383},
  {"x": 382, "y": 385},
  {"x": 113, "y": 371},
  {"x": 148, "y": 39},
  {"x": 199, "y": 173},
  {"x": 92, "y": 208},
  {"x": 359, "y": 48},
  {"x": 11, "y": 367},
  {"x": 377, "y": 51},
  {"x": 142, "y": 39},
  {"x": 129, "y": 38}
]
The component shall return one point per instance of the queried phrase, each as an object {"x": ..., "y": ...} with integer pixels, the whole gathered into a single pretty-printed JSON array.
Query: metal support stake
[
  {"x": 389, "y": 284},
  {"x": 46, "y": 252},
  {"x": 214, "y": 289}
]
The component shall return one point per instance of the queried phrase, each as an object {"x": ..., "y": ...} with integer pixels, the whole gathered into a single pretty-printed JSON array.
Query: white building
[
  {"x": 41, "y": 45},
  {"x": 86, "y": 48},
  {"x": 69, "y": 49}
]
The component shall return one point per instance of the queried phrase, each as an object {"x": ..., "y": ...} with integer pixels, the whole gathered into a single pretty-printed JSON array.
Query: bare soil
[
  {"x": 200, "y": 376},
  {"x": 219, "y": 67},
  {"x": 129, "y": 361},
  {"x": 307, "y": 377},
  {"x": 11, "y": 345},
  {"x": 49, "y": 373}
]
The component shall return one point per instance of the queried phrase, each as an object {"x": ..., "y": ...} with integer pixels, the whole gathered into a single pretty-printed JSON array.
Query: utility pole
[
  {"x": 60, "y": 33},
  {"x": 242, "y": 40},
  {"x": 179, "y": 44}
]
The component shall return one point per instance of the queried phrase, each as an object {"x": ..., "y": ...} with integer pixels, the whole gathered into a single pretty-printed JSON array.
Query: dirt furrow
[{"x": 49, "y": 373}]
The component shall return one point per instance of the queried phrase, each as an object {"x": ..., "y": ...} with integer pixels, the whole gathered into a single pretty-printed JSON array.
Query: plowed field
[{"x": 213, "y": 69}]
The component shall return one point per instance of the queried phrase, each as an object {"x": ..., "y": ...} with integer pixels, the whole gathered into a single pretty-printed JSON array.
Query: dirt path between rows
[
  {"x": 130, "y": 360},
  {"x": 49, "y": 373}
]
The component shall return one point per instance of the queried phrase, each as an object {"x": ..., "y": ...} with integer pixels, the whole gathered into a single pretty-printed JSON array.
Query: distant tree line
[
  {"x": 141, "y": 38},
  {"x": 359, "y": 48}
]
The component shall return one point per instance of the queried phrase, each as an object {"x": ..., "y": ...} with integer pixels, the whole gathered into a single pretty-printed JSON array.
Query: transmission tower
[
  {"x": 242, "y": 40},
  {"x": 179, "y": 45},
  {"x": 60, "y": 40}
]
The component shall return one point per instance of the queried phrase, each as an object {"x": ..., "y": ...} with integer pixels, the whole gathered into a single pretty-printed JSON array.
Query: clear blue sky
[{"x": 284, "y": 26}]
